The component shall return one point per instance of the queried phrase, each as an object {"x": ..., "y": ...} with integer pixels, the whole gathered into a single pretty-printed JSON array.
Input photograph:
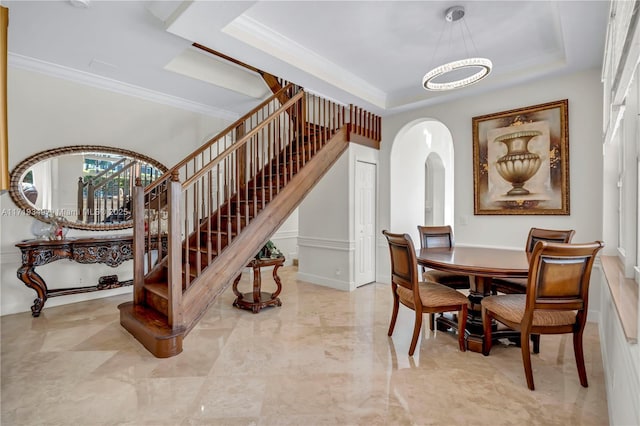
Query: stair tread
[
  {"x": 158, "y": 288},
  {"x": 202, "y": 249},
  {"x": 156, "y": 322}
]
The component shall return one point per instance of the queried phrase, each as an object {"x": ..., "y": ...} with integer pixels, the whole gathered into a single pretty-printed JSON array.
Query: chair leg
[
  {"x": 416, "y": 332},
  {"x": 486, "y": 330},
  {"x": 577, "y": 349},
  {"x": 526, "y": 359},
  {"x": 394, "y": 314},
  {"x": 462, "y": 326},
  {"x": 432, "y": 321},
  {"x": 535, "y": 338}
]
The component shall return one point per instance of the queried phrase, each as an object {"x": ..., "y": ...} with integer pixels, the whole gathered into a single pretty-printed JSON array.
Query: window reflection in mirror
[{"x": 91, "y": 189}]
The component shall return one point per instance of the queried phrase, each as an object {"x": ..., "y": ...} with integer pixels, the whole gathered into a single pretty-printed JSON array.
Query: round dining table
[{"x": 481, "y": 264}]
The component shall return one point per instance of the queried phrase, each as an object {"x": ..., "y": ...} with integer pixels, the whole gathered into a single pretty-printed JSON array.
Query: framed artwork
[{"x": 521, "y": 161}]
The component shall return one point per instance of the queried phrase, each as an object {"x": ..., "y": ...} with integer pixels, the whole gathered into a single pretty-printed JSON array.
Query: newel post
[
  {"x": 175, "y": 252},
  {"x": 91, "y": 208},
  {"x": 138, "y": 242},
  {"x": 80, "y": 199}
]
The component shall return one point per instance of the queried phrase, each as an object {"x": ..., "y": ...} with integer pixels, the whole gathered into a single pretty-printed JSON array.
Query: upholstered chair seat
[
  {"x": 511, "y": 307},
  {"x": 433, "y": 295}
]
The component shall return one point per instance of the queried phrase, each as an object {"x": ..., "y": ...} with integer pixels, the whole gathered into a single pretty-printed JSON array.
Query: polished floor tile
[{"x": 322, "y": 358}]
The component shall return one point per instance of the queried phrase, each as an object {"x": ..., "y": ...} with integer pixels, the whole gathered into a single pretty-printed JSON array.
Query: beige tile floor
[{"x": 322, "y": 358}]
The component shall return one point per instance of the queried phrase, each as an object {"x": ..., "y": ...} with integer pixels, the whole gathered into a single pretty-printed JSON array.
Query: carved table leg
[
  {"x": 30, "y": 277},
  {"x": 236, "y": 292},
  {"x": 257, "y": 285},
  {"x": 276, "y": 278},
  {"x": 235, "y": 286}
]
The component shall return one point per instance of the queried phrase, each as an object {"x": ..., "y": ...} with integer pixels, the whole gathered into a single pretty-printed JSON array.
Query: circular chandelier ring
[{"x": 484, "y": 64}]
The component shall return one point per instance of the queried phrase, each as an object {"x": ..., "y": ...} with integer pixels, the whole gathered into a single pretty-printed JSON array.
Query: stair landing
[{"x": 151, "y": 329}]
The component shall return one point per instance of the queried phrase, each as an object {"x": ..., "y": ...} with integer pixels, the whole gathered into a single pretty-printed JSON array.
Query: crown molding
[
  {"x": 81, "y": 77},
  {"x": 262, "y": 37}
]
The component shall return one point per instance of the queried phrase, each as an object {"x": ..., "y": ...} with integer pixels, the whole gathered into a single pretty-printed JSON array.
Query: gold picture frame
[{"x": 521, "y": 161}]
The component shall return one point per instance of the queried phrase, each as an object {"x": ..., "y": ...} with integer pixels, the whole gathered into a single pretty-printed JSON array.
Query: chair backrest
[
  {"x": 548, "y": 235},
  {"x": 435, "y": 236},
  {"x": 404, "y": 270},
  {"x": 559, "y": 277}
]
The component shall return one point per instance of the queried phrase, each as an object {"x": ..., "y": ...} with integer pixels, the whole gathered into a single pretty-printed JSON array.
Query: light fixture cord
[
  {"x": 435, "y": 52},
  {"x": 470, "y": 38}
]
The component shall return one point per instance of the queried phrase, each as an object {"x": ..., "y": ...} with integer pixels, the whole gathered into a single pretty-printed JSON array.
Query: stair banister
[
  {"x": 222, "y": 204},
  {"x": 188, "y": 182},
  {"x": 175, "y": 252},
  {"x": 289, "y": 87},
  {"x": 138, "y": 242}
]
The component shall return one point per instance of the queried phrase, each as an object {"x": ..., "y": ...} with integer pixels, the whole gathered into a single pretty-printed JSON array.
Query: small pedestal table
[{"x": 258, "y": 299}]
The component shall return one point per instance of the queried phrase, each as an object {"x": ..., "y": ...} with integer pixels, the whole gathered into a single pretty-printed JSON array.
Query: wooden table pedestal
[{"x": 258, "y": 299}]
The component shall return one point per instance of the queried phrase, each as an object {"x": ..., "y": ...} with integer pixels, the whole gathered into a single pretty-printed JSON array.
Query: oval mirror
[{"x": 90, "y": 186}]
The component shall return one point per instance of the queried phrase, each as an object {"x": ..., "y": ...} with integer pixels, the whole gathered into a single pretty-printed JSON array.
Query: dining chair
[
  {"x": 441, "y": 237},
  {"x": 555, "y": 302},
  {"x": 519, "y": 285},
  {"x": 421, "y": 297}
]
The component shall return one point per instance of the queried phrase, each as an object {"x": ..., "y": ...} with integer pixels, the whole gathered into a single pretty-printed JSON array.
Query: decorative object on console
[
  {"x": 521, "y": 161},
  {"x": 269, "y": 250},
  {"x": 49, "y": 226}
]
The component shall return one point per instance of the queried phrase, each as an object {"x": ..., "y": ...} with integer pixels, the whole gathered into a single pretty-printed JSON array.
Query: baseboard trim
[{"x": 324, "y": 281}]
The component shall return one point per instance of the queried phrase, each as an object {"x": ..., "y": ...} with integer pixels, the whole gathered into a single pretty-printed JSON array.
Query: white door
[{"x": 365, "y": 212}]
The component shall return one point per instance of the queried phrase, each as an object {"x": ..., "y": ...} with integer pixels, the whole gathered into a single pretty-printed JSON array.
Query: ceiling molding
[
  {"x": 104, "y": 83},
  {"x": 262, "y": 37}
]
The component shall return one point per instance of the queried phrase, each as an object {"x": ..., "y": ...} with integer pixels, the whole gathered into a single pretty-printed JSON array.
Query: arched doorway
[
  {"x": 421, "y": 177},
  {"x": 434, "y": 194}
]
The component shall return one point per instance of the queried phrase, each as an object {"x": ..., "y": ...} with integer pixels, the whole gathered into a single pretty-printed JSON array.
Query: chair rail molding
[{"x": 326, "y": 243}]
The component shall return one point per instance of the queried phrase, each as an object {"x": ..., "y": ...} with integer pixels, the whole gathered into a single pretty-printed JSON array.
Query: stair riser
[
  {"x": 156, "y": 302},
  {"x": 235, "y": 223},
  {"x": 204, "y": 258},
  {"x": 247, "y": 207},
  {"x": 204, "y": 235}
]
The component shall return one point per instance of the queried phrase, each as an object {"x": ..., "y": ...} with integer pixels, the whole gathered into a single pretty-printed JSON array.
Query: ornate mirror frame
[{"x": 18, "y": 173}]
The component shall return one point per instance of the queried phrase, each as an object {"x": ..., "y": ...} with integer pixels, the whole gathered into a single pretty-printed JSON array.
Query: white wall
[
  {"x": 327, "y": 240},
  {"x": 46, "y": 112},
  {"x": 585, "y": 145},
  {"x": 286, "y": 238},
  {"x": 408, "y": 156},
  {"x": 323, "y": 232}
]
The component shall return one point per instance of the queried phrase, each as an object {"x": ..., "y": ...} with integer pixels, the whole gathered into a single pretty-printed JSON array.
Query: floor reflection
[{"x": 323, "y": 357}]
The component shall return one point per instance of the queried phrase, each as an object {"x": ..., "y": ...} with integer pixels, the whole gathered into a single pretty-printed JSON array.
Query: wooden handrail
[
  {"x": 240, "y": 142},
  {"x": 99, "y": 175},
  {"x": 115, "y": 175},
  {"x": 219, "y": 136}
]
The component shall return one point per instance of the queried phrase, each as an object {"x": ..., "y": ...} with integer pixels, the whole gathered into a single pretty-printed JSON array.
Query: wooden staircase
[{"x": 212, "y": 212}]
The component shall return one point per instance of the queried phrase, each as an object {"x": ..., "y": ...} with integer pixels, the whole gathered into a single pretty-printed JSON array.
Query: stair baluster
[{"x": 204, "y": 218}]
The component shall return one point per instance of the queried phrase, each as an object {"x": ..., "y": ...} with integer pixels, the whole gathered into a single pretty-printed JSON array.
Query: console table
[
  {"x": 258, "y": 299},
  {"x": 110, "y": 250}
]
